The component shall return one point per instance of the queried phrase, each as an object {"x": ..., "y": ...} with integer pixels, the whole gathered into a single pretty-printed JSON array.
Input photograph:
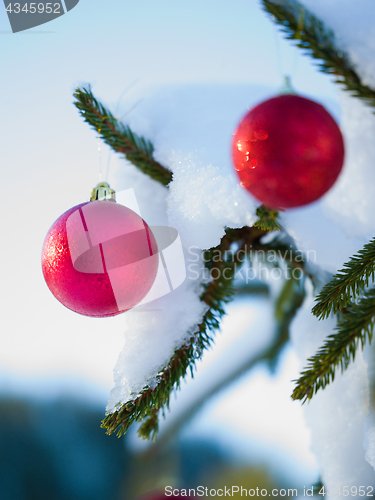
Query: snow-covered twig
[
  {"x": 354, "y": 328},
  {"x": 314, "y": 37},
  {"x": 288, "y": 302},
  {"x": 147, "y": 403},
  {"x": 348, "y": 283},
  {"x": 119, "y": 137},
  {"x": 216, "y": 294}
]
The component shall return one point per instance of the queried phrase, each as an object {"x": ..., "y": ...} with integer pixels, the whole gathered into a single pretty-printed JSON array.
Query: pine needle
[
  {"x": 314, "y": 37},
  {"x": 146, "y": 405},
  {"x": 119, "y": 137},
  {"x": 218, "y": 292},
  {"x": 348, "y": 283},
  {"x": 355, "y": 327},
  {"x": 268, "y": 219}
]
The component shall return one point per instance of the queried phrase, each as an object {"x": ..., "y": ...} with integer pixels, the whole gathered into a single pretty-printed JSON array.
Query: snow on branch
[
  {"x": 355, "y": 326},
  {"x": 357, "y": 320},
  {"x": 215, "y": 295},
  {"x": 147, "y": 403},
  {"x": 313, "y": 36},
  {"x": 286, "y": 305},
  {"x": 348, "y": 283}
]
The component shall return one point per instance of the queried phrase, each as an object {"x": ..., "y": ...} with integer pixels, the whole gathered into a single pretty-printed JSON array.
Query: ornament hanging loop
[{"x": 287, "y": 87}]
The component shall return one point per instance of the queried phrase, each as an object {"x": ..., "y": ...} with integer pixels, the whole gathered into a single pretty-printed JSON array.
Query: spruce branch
[
  {"x": 150, "y": 426},
  {"x": 119, "y": 137},
  {"x": 358, "y": 321},
  {"x": 354, "y": 328},
  {"x": 287, "y": 253},
  {"x": 268, "y": 219},
  {"x": 319, "y": 42},
  {"x": 147, "y": 404},
  {"x": 289, "y": 301},
  {"x": 348, "y": 283},
  {"x": 218, "y": 292}
]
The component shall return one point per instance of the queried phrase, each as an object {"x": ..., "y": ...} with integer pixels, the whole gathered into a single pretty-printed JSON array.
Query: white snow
[
  {"x": 350, "y": 204},
  {"x": 205, "y": 196},
  {"x": 354, "y": 29},
  {"x": 244, "y": 335},
  {"x": 191, "y": 128},
  {"x": 193, "y": 202},
  {"x": 369, "y": 441},
  {"x": 153, "y": 330},
  {"x": 279, "y": 439},
  {"x": 353, "y": 208},
  {"x": 193, "y": 138},
  {"x": 337, "y": 414},
  {"x": 369, "y": 431},
  {"x": 151, "y": 336}
]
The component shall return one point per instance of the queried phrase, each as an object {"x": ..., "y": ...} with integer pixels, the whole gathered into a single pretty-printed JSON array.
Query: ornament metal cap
[
  {"x": 102, "y": 191},
  {"x": 287, "y": 87}
]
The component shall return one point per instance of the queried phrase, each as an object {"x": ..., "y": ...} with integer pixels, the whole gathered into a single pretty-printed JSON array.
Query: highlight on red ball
[
  {"x": 101, "y": 258},
  {"x": 288, "y": 151}
]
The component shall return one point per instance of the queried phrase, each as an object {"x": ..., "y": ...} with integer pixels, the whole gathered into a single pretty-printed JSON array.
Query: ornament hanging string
[
  {"x": 100, "y": 155},
  {"x": 123, "y": 93},
  {"x": 120, "y": 99},
  {"x": 100, "y": 159},
  {"x": 108, "y": 164},
  {"x": 110, "y": 151},
  {"x": 301, "y": 21},
  {"x": 118, "y": 119},
  {"x": 277, "y": 49},
  {"x": 279, "y": 58}
]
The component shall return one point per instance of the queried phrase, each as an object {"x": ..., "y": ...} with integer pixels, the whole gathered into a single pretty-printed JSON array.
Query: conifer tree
[{"x": 349, "y": 295}]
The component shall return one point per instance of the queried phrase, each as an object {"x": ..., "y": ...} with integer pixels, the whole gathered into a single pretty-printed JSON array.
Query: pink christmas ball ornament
[{"x": 100, "y": 259}]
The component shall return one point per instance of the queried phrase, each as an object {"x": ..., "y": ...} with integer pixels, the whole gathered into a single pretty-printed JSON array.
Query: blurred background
[{"x": 57, "y": 367}]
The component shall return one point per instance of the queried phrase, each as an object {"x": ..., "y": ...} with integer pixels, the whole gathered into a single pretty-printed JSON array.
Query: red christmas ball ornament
[
  {"x": 100, "y": 258},
  {"x": 288, "y": 151}
]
